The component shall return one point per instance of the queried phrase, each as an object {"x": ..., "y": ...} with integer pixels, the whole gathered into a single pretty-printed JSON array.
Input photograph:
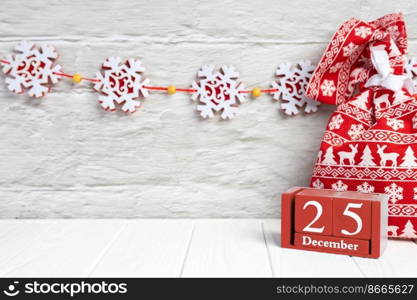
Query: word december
[
  {"x": 329, "y": 244},
  {"x": 341, "y": 244}
]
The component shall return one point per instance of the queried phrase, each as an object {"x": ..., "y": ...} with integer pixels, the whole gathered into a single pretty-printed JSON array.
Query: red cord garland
[
  {"x": 163, "y": 88},
  {"x": 262, "y": 91},
  {"x": 155, "y": 88},
  {"x": 72, "y": 76}
]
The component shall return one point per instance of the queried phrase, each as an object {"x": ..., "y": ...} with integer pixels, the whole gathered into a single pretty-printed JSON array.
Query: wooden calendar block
[
  {"x": 287, "y": 215},
  {"x": 313, "y": 212},
  {"x": 357, "y": 221},
  {"x": 352, "y": 218}
]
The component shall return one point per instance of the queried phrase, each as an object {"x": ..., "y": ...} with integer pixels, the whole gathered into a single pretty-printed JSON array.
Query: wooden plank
[
  {"x": 298, "y": 263},
  {"x": 398, "y": 260},
  {"x": 216, "y": 248},
  {"x": 227, "y": 248},
  {"x": 16, "y": 236},
  {"x": 66, "y": 248},
  {"x": 147, "y": 248}
]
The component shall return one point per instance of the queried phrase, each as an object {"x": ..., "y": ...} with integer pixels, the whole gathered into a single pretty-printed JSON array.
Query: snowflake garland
[
  {"x": 32, "y": 68},
  {"x": 218, "y": 91},
  {"x": 291, "y": 86},
  {"x": 121, "y": 84}
]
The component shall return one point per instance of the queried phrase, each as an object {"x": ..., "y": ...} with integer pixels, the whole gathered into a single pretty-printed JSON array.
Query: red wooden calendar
[{"x": 350, "y": 223}]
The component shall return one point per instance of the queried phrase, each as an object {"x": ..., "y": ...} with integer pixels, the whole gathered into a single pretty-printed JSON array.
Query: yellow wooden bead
[
  {"x": 77, "y": 78},
  {"x": 256, "y": 92},
  {"x": 171, "y": 89}
]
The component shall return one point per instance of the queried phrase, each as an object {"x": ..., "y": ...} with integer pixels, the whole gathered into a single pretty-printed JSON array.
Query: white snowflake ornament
[
  {"x": 32, "y": 68},
  {"x": 291, "y": 86},
  {"x": 122, "y": 84},
  {"x": 218, "y": 91}
]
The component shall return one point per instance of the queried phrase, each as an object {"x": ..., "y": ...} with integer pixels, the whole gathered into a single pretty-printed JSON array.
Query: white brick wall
[{"x": 63, "y": 156}]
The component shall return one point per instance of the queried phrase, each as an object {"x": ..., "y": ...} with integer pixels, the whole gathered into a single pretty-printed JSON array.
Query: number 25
[{"x": 347, "y": 212}]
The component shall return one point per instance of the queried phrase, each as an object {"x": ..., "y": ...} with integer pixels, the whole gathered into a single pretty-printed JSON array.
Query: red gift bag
[{"x": 370, "y": 143}]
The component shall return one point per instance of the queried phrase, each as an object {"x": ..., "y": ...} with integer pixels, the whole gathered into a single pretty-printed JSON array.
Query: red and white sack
[{"x": 370, "y": 142}]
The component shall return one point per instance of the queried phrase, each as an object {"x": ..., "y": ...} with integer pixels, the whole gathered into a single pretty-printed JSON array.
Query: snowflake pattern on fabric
[
  {"x": 363, "y": 31},
  {"x": 349, "y": 49},
  {"x": 394, "y": 192},
  {"x": 317, "y": 184},
  {"x": 336, "y": 67},
  {"x": 32, "y": 68},
  {"x": 355, "y": 131},
  {"x": 365, "y": 188},
  {"x": 339, "y": 186},
  {"x": 394, "y": 32},
  {"x": 218, "y": 91},
  {"x": 291, "y": 86},
  {"x": 386, "y": 158},
  {"x": 395, "y": 124},
  {"x": 122, "y": 84},
  {"x": 328, "y": 88},
  {"x": 336, "y": 122}
]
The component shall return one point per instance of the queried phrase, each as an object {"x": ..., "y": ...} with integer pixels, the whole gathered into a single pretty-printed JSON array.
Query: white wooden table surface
[{"x": 178, "y": 248}]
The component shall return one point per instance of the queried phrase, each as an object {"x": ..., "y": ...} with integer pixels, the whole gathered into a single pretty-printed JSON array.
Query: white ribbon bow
[{"x": 385, "y": 78}]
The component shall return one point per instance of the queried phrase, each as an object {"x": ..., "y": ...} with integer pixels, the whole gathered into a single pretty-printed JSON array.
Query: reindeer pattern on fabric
[{"x": 370, "y": 142}]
